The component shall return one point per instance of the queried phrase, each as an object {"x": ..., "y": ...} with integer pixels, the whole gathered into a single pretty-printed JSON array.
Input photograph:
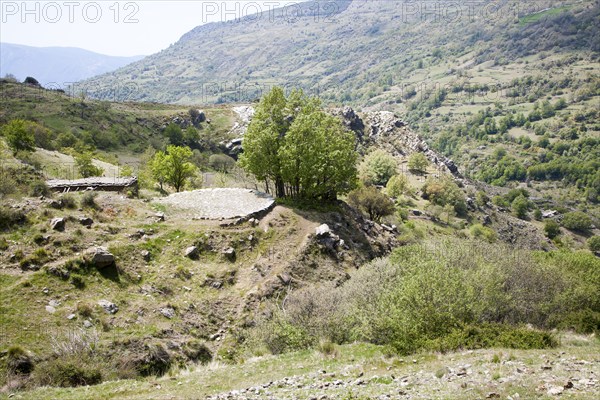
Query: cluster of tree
[{"x": 297, "y": 149}]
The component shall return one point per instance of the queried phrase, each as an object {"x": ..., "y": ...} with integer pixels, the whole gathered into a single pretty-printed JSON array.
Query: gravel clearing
[{"x": 220, "y": 203}]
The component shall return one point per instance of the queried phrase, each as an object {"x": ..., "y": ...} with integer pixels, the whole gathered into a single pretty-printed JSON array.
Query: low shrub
[
  {"x": 88, "y": 200},
  {"x": 197, "y": 351},
  {"x": 67, "y": 372},
  {"x": 39, "y": 188},
  {"x": 10, "y": 217},
  {"x": 19, "y": 360}
]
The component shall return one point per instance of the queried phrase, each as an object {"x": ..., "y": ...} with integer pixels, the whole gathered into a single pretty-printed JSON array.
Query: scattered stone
[
  {"x": 50, "y": 309},
  {"x": 416, "y": 213},
  {"x": 87, "y": 324},
  {"x": 54, "y": 303},
  {"x": 146, "y": 255},
  {"x": 323, "y": 230},
  {"x": 45, "y": 290},
  {"x": 167, "y": 312},
  {"x": 109, "y": 307},
  {"x": 160, "y": 217},
  {"x": 568, "y": 385},
  {"x": 285, "y": 278},
  {"x": 100, "y": 257},
  {"x": 58, "y": 224},
  {"x": 86, "y": 221},
  {"x": 71, "y": 317},
  {"x": 253, "y": 222},
  {"x": 492, "y": 395},
  {"x": 191, "y": 252},
  {"x": 229, "y": 253},
  {"x": 555, "y": 390}
]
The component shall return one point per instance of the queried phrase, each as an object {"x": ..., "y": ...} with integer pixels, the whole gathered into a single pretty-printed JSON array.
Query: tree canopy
[{"x": 295, "y": 146}]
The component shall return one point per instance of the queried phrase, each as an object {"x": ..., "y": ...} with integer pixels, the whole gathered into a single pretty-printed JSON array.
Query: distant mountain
[
  {"x": 351, "y": 51},
  {"x": 56, "y": 66}
]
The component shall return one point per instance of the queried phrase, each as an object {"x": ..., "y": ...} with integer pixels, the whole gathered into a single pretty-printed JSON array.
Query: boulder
[
  {"x": 109, "y": 307},
  {"x": 229, "y": 253},
  {"x": 323, "y": 231},
  {"x": 167, "y": 312},
  {"x": 58, "y": 224},
  {"x": 191, "y": 252},
  {"x": 100, "y": 257},
  {"x": 86, "y": 221},
  {"x": 146, "y": 255}
]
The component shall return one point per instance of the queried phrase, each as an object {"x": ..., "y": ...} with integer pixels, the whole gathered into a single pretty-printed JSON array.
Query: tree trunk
[{"x": 279, "y": 187}]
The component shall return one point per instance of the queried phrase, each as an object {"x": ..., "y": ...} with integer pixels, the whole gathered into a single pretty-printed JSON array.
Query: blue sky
[{"x": 120, "y": 28}]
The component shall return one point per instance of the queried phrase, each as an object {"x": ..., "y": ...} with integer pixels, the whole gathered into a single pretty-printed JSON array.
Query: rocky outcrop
[{"x": 385, "y": 130}]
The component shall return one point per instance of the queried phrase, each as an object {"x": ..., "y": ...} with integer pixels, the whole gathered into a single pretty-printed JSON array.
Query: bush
[
  {"x": 594, "y": 243},
  {"x": 397, "y": 186},
  {"x": 39, "y": 188},
  {"x": 492, "y": 335},
  {"x": 378, "y": 167},
  {"x": 577, "y": 221},
  {"x": 86, "y": 167},
  {"x": 417, "y": 162},
  {"x": 88, "y": 200},
  {"x": 10, "y": 217},
  {"x": 482, "y": 232},
  {"x": 68, "y": 201},
  {"x": 371, "y": 201},
  {"x": 19, "y": 360},
  {"x": 67, "y": 372},
  {"x": 551, "y": 228},
  {"x": 520, "y": 206},
  {"x": 445, "y": 295},
  {"x": 221, "y": 162},
  {"x": 197, "y": 351}
]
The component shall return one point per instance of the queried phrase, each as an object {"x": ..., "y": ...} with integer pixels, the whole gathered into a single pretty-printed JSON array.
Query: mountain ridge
[{"x": 57, "y": 66}]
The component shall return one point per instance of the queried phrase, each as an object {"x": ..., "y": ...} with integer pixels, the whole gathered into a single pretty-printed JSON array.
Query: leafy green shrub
[
  {"x": 378, "y": 167},
  {"x": 594, "y": 243},
  {"x": 551, "y": 228},
  {"x": 86, "y": 167},
  {"x": 417, "y": 162},
  {"x": 444, "y": 295},
  {"x": 370, "y": 200},
  {"x": 482, "y": 232},
  {"x": 397, "y": 186},
  {"x": 39, "y": 188},
  {"x": 282, "y": 336},
  {"x": 492, "y": 335},
  {"x": 577, "y": 221},
  {"x": 520, "y": 206}
]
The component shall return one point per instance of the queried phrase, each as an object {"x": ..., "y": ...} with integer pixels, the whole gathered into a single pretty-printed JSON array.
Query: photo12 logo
[{"x": 69, "y": 11}]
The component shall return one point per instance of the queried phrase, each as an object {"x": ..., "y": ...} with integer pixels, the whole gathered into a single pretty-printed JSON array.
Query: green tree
[
  {"x": 318, "y": 157},
  {"x": 370, "y": 200},
  {"x": 174, "y": 133},
  {"x": 86, "y": 167},
  {"x": 191, "y": 136},
  {"x": 417, "y": 162},
  {"x": 18, "y": 136},
  {"x": 178, "y": 166},
  {"x": 264, "y": 138},
  {"x": 292, "y": 143},
  {"x": 158, "y": 168},
  {"x": 378, "y": 167}
]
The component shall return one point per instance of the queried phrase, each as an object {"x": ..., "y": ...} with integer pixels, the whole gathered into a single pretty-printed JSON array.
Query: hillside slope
[{"x": 348, "y": 50}]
